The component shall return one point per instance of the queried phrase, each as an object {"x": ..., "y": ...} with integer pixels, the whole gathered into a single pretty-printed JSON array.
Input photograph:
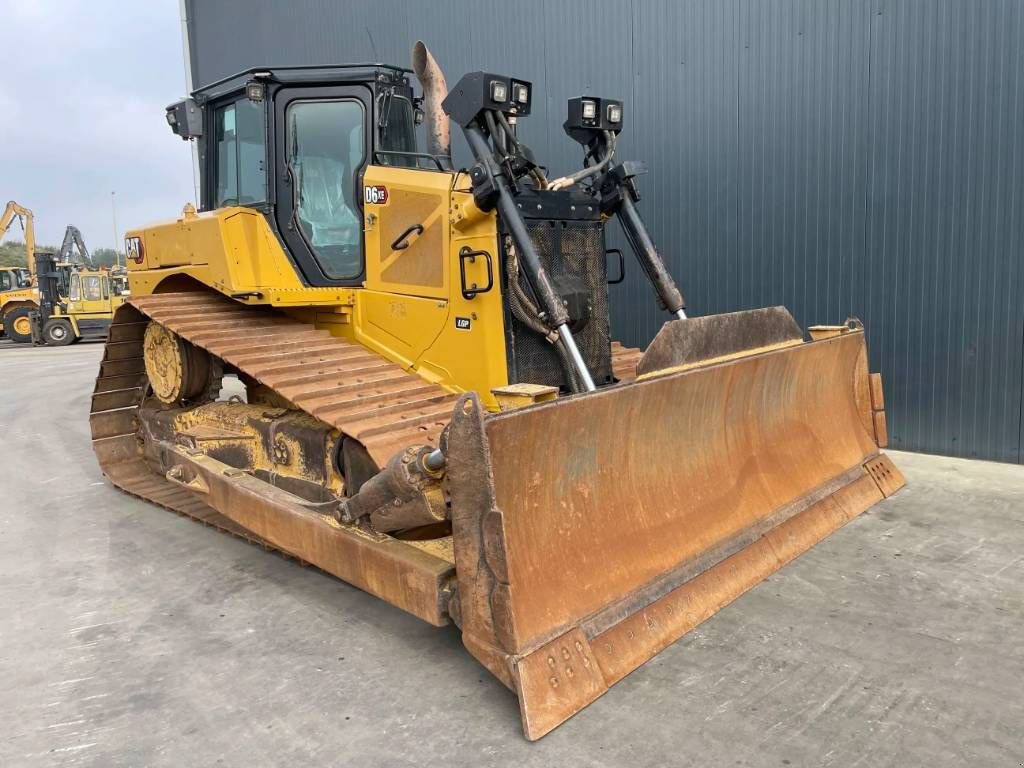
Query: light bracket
[{"x": 478, "y": 92}]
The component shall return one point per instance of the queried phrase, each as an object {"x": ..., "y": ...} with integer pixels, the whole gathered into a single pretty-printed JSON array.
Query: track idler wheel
[{"x": 178, "y": 370}]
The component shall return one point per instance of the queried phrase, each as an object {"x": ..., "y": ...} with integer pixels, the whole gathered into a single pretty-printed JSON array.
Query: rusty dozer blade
[{"x": 592, "y": 532}]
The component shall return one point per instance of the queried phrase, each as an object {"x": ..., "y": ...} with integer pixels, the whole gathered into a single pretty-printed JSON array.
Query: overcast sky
[{"x": 83, "y": 86}]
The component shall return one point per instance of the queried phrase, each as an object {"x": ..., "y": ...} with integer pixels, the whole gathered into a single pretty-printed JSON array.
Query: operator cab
[
  {"x": 315, "y": 130},
  {"x": 14, "y": 279}
]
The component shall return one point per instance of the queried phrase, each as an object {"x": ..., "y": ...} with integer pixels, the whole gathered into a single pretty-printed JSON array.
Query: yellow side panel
[
  {"x": 416, "y": 202},
  {"x": 470, "y": 348},
  {"x": 23, "y": 296},
  {"x": 414, "y": 311},
  {"x": 180, "y": 243},
  {"x": 232, "y": 250},
  {"x": 399, "y": 327}
]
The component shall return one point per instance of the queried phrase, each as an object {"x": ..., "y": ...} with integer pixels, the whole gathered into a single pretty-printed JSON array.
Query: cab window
[
  {"x": 397, "y": 130},
  {"x": 75, "y": 291},
  {"x": 91, "y": 288},
  {"x": 325, "y": 150},
  {"x": 241, "y": 151},
  {"x": 6, "y": 283}
]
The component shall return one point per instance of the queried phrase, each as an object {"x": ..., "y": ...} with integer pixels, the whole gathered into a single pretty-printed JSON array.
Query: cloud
[{"x": 81, "y": 115}]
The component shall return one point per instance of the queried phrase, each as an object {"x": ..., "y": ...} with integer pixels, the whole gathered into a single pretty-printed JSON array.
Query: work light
[
  {"x": 588, "y": 109},
  {"x": 479, "y": 92},
  {"x": 255, "y": 91}
]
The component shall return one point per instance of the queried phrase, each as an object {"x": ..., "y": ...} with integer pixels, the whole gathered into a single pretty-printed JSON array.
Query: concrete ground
[{"x": 134, "y": 637}]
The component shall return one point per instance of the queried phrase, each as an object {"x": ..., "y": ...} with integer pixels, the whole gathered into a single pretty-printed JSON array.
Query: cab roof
[{"x": 360, "y": 73}]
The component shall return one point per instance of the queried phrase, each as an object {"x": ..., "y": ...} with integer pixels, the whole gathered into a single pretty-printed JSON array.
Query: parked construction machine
[
  {"x": 73, "y": 248},
  {"x": 73, "y": 304},
  {"x": 18, "y": 296},
  {"x": 435, "y": 410},
  {"x": 14, "y": 278},
  {"x": 76, "y": 300}
]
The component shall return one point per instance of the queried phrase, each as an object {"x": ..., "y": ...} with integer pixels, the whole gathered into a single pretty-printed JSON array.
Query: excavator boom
[
  {"x": 14, "y": 211},
  {"x": 73, "y": 242}
]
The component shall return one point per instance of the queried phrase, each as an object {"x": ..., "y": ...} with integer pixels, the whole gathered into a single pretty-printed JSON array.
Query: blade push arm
[
  {"x": 620, "y": 196},
  {"x": 595, "y": 122}
]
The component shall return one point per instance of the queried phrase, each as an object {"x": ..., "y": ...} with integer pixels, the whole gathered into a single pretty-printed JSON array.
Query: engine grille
[{"x": 573, "y": 255}]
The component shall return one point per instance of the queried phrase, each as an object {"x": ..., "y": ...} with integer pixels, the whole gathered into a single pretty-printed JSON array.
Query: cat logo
[{"x": 133, "y": 249}]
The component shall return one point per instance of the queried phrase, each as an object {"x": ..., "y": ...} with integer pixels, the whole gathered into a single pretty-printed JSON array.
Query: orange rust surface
[
  {"x": 559, "y": 679},
  {"x": 881, "y": 429},
  {"x": 877, "y": 396},
  {"x": 628, "y": 644},
  {"x": 710, "y": 452},
  {"x": 404, "y": 575}
]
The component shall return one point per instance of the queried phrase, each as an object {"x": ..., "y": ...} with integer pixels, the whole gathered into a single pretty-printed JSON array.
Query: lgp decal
[
  {"x": 375, "y": 194},
  {"x": 462, "y": 323}
]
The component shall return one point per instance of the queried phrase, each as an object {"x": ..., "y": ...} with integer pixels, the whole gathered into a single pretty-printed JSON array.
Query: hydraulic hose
[
  {"x": 526, "y": 312},
  {"x": 535, "y": 173},
  {"x": 567, "y": 181}
]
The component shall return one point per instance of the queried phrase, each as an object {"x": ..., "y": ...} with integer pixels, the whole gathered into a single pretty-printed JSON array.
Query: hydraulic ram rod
[
  {"x": 650, "y": 260},
  {"x": 548, "y": 297}
]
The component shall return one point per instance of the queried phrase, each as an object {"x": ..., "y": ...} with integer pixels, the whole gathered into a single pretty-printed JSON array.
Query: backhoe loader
[
  {"x": 18, "y": 296},
  {"x": 434, "y": 408}
]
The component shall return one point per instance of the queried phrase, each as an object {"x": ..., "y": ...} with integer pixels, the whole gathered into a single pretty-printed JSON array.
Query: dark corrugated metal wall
[{"x": 841, "y": 158}]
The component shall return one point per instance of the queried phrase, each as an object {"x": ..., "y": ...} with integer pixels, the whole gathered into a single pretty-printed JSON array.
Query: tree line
[{"x": 12, "y": 254}]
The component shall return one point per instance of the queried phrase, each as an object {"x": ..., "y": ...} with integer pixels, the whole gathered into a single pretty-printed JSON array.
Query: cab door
[
  {"x": 90, "y": 303},
  {"x": 95, "y": 293},
  {"x": 323, "y": 142}
]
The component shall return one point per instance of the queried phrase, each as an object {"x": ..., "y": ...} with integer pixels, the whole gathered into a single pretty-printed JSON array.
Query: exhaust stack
[{"x": 434, "y": 90}]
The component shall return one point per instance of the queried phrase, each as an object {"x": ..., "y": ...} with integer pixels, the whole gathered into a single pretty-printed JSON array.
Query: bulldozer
[{"x": 427, "y": 400}]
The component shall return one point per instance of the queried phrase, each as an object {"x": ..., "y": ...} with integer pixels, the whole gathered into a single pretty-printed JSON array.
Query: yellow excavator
[
  {"x": 426, "y": 398},
  {"x": 18, "y": 295}
]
